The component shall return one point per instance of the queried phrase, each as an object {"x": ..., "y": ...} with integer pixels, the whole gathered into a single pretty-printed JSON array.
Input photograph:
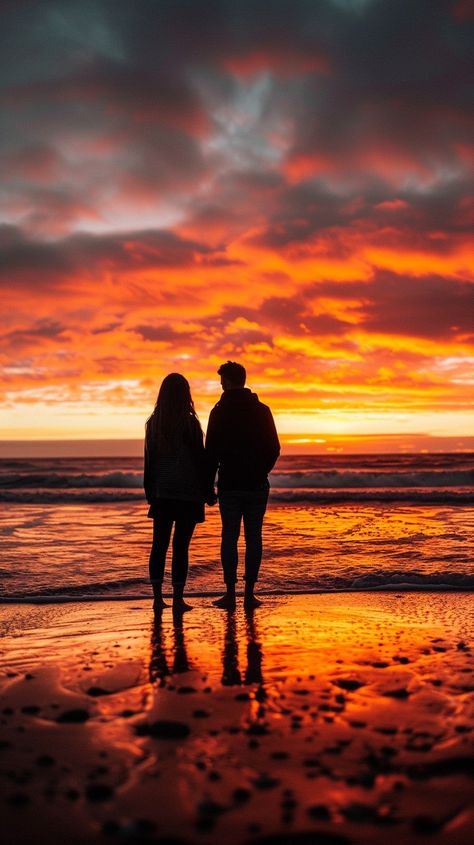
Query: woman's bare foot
[
  {"x": 226, "y": 602},
  {"x": 158, "y": 602}
]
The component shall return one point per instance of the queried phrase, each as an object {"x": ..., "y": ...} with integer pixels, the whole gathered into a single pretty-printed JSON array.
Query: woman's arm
[{"x": 146, "y": 471}]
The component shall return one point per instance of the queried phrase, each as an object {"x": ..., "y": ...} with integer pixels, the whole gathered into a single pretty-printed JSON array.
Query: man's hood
[{"x": 238, "y": 395}]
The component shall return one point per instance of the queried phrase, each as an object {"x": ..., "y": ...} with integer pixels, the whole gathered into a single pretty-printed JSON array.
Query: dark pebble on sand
[
  {"x": 186, "y": 690},
  {"x": 210, "y": 808},
  {"x": 425, "y": 824},
  {"x": 380, "y": 664},
  {"x": 288, "y": 804},
  {"x": 397, "y": 693},
  {"x": 443, "y": 768},
  {"x": 461, "y": 646},
  {"x": 201, "y": 714},
  {"x": 349, "y": 684},
  {"x": 265, "y": 782},
  {"x": 319, "y": 812},
  {"x": 257, "y": 729},
  {"x": 163, "y": 729},
  {"x": 311, "y": 762},
  {"x": 358, "y": 812},
  {"x": 73, "y": 716},
  {"x": 97, "y": 792},
  {"x": 96, "y": 691},
  {"x": 241, "y": 795}
]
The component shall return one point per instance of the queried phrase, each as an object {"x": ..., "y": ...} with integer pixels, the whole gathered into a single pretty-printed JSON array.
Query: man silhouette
[{"x": 242, "y": 445}]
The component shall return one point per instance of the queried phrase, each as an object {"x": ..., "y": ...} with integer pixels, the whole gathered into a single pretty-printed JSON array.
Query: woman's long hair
[{"x": 174, "y": 420}]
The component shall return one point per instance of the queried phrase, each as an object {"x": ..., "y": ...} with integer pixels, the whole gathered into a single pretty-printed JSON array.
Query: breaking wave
[
  {"x": 327, "y": 495},
  {"x": 138, "y": 588},
  {"x": 325, "y": 479}
]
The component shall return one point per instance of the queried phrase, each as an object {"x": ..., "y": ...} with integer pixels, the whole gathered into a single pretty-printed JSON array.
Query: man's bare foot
[
  {"x": 252, "y": 601},
  {"x": 227, "y": 601},
  {"x": 180, "y": 606},
  {"x": 159, "y": 604}
]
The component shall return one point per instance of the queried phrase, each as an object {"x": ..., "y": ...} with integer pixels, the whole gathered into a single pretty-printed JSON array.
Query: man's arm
[
  {"x": 272, "y": 443},
  {"x": 212, "y": 446}
]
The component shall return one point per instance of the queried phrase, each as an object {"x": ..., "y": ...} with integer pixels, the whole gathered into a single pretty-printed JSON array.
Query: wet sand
[{"x": 325, "y": 719}]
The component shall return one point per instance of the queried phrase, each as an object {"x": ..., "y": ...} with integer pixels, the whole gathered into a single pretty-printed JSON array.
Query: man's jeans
[{"x": 235, "y": 505}]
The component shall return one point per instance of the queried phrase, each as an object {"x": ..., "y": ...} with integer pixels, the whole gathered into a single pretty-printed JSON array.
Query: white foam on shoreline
[{"x": 385, "y": 588}]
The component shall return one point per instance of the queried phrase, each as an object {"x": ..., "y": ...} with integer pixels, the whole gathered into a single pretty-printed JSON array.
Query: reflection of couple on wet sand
[
  {"x": 163, "y": 665},
  {"x": 241, "y": 447}
]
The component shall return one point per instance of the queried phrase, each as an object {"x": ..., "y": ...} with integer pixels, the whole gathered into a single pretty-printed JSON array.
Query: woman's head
[
  {"x": 175, "y": 392},
  {"x": 174, "y": 417}
]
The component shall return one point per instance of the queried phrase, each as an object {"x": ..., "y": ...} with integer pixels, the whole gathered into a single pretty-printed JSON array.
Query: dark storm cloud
[
  {"x": 429, "y": 307},
  {"x": 44, "y": 329},
  {"x": 399, "y": 87},
  {"x": 28, "y": 261},
  {"x": 426, "y": 307},
  {"x": 364, "y": 86},
  {"x": 278, "y": 314},
  {"x": 294, "y": 316},
  {"x": 162, "y": 332}
]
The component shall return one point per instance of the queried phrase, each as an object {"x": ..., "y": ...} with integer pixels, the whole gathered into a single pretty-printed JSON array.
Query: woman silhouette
[{"x": 174, "y": 481}]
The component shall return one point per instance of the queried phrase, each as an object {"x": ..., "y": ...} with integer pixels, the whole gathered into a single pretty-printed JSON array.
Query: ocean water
[{"x": 76, "y": 528}]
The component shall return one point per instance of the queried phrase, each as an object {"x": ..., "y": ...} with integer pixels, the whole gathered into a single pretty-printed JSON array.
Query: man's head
[{"x": 232, "y": 375}]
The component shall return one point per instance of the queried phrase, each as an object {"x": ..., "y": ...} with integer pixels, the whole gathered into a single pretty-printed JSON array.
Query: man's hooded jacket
[{"x": 241, "y": 441}]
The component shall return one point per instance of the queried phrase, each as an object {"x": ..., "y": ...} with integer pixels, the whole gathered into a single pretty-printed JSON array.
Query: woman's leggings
[{"x": 183, "y": 531}]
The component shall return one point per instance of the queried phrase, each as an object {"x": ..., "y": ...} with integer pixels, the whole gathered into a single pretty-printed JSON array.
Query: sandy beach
[{"x": 325, "y": 719}]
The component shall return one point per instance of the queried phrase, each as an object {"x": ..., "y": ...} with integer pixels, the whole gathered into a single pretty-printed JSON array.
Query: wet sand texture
[{"x": 319, "y": 720}]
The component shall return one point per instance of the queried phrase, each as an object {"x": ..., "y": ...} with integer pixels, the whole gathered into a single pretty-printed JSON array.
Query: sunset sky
[{"x": 286, "y": 183}]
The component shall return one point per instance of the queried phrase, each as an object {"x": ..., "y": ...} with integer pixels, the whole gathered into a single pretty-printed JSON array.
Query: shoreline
[
  {"x": 337, "y": 719},
  {"x": 82, "y": 599}
]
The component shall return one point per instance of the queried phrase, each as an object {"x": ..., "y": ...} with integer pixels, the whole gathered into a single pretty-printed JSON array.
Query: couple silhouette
[{"x": 179, "y": 475}]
